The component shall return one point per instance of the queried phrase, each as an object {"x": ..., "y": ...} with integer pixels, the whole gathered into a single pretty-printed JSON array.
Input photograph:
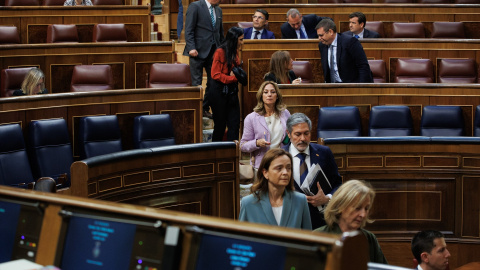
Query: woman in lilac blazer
[{"x": 265, "y": 127}]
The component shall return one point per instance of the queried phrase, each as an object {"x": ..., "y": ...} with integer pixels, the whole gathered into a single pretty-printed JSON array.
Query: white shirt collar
[{"x": 294, "y": 151}]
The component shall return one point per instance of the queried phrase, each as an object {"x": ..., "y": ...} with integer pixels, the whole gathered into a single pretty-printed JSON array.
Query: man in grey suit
[
  {"x": 203, "y": 34},
  {"x": 357, "y": 23}
]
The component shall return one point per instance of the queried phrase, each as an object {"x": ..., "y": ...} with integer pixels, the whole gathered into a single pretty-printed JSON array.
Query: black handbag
[{"x": 241, "y": 75}]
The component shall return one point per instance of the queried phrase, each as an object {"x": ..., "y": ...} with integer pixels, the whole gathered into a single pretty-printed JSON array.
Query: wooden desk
[
  {"x": 335, "y": 251},
  {"x": 29, "y": 19},
  {"x": 256, "y": 58},
  {"x": 183, "y": 105},
  {"x": 130, "y": 61},
  {"x": 419, "y": 185}
]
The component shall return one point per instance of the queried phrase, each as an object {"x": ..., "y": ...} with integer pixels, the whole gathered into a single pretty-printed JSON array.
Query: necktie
[
  {"x": 302, "y": 35},
  {"x": 212, "y": 16},
  {"x": 303, "y": 167},
  {"x": 356, "y": 36},
  {"x": 332, "y": 65},
  {"x": 255, "y": 34}
]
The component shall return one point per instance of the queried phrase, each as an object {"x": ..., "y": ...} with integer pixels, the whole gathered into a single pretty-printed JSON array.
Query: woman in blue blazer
[
  {"x": 265, "y": 127},
  {"x": 274, "y": 200}
]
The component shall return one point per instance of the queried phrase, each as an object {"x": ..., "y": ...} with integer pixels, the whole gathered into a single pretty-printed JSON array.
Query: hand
[
  {"x": 297, "y": 81},
  {"x": 231, "y": 73},
  {"x": 319, "y": 199},
  {"x": 262, "y": 143},
  {"x": 193, "y": 53}
]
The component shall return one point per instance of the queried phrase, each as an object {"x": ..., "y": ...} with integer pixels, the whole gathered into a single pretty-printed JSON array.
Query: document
[{"x": 309, "y": 188}]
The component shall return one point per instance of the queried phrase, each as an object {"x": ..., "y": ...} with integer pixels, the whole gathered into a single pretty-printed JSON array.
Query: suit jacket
[
  {"x": 351, "y": 61},
  {"x": 255, "y": 128},
  {"x": 199, "y": 32},
  {"x": 247, "y": 34},
  {"x": 309, "y": 22},
  {"x": 294, "y": 213},
  {"x": 323, "y": 156},
  {"x": 366, "y": 33},
  {"x": 271, "y": 77}
]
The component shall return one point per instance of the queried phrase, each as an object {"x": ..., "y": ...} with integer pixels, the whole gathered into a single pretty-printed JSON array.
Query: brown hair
[
  {"x": 261, "y": 185},
  {"x": 279, "y": 105},
  {"x": 278, "y": 65}
]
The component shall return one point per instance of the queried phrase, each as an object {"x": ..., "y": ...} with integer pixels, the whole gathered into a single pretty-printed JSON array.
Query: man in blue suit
[
  {"x": 356, "y": 23},
  {"x": 258, "y": 31},
  {"x": 343, "y": 57},
  {"x": 300, "y": 27},
  {"x": 299, "y": 130}
]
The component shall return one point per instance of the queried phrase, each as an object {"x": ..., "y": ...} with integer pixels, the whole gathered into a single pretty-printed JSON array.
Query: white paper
[
  {"x": 313, "y": 171},
  {"x": 21, "y": 264}
]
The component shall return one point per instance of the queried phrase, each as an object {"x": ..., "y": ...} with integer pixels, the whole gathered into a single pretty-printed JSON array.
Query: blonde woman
[{"x": 33, "y": 84}]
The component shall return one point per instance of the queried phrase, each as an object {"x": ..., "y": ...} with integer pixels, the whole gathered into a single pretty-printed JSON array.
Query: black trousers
[
  {"x": 196, "y": 72},
  {"x": 226, "y": 113}
]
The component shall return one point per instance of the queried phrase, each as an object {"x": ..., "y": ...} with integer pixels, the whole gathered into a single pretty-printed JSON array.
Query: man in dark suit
[
  {"x": 203, "y": 34},
  {"x": 258, "y": 31},
  {"x": 430, "y": 250},
  {"x": 300, "y": 27},
  {"x": 299, "y": 129},
  {"x": 357, "y": 24},
  {"x": 343, "y": 57}
]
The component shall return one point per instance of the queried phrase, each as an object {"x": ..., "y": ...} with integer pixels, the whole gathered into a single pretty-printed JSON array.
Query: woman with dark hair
[
  {"x": 265, "y": 127},
  {"x": 224, "y": 94},
  {"x": 274, "y": 200},
  {"x": 33, "y": 84},
  {"x": 281, "y": 69}
]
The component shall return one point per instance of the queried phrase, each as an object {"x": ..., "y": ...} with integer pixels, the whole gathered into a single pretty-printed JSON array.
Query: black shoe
[{"x": 207, "y": 114}]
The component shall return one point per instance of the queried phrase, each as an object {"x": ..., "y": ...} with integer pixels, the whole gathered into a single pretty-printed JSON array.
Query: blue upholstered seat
[
  {"x": 153, "y": 131},
  {"x": 390, "y": 121},
  {"x": 50, "y": 148},
  {"x": 14, "y": 164},
  {"x": 442, "y": 121},
  {"x": 99, "y": 135},
  {"x": 336, "y": 122}
]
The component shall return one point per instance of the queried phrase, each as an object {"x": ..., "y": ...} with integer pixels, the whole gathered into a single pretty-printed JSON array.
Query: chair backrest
[
  {"x": 14, "y": 164},
  {"x": 53, "y": 2},
  {"x": 169, "y": 75},
  {"x": 408, "y": 30},
  {"x": 457, "y": 71},
  {"x": 329, "y": 1},
  {"x": 434, "y": 1},
  {"x": 62, "y": 33},
  {"x": 336, "y": 122},
  {"x": 45, "y": 184},
  {"x": 390, "y": 121},
  {"x": 442, "y": 121},
  {"x": 11, "y": 80},
  {"x": 9, "y": 35},
  {"x": 476, "y": 124},
  {"x": 379, "y": 70},
  {"x": 153, "y": 131},
  {"x": 448, "y": 30},
  {"x": 248, "y": 1},
  {"x": 304, "y": 70},
  {"x": 245, "y": 24},
  {"x": 109, "y": 32},
  {"x": 50, "y": 148},
  {"x": 357, "y": 1},
  {"x": 467, "y": 1},
  {"x": 399, "y": 1},
  {"x": 99, "y": 135},
  {"x": 91, "y": 78},
  {"x": 414, "y": 71},
  {"x": 376, "y": 26},
  {"x": 107, "y": 2},
  {"x": 22, "y": 2}
]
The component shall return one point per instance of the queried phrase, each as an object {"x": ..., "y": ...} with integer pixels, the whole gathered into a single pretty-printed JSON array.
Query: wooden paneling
[
  {"x": 32, "y": 21},
  {"x": 130, "y": 61}
]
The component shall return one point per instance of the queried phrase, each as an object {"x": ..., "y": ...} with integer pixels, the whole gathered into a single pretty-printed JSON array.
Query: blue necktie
[
  {"x": 303, "y": 167},
  {"x": 212, "y": 16},
  {"x": 332, "y": 65},
  {"x": 302, "y": 35},
  {"x": 356, "y": 36}
]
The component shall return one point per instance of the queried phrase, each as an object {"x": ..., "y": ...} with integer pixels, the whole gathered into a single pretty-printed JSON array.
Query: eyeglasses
[
  {"x": 258, "y": 17},
  {"x": 321, "y": 35}
]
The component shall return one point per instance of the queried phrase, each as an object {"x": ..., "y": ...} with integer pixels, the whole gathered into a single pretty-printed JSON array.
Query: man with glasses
[
  {"x": 300, "y": 27},
  {"x": 343, "y": 57},
  {"x": 258, "y": 31}
]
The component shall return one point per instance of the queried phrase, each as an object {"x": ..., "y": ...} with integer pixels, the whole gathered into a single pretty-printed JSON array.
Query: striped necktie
[
  {"x": 212, "y": 16},
  {"x": 303, "y": 167},
  {"x": 255, "y": 34},
  {"x": 332, "y": 65}
]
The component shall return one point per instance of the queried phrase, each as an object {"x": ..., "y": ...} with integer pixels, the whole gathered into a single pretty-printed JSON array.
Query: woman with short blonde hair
[{"x": 33, "y": 84}]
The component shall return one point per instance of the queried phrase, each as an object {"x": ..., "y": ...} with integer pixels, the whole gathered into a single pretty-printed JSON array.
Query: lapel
[
  {"x": 339, "y": 51},
  {"x": 287, "y": 209},
  {"x": 205, "y": 8},
  {"x": 314, "y": 157},
  {"x": 267, "y": 209},
  {"x": 263, "y": 123}
]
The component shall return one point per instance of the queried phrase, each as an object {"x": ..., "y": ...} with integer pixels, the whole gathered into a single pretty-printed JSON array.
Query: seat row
[
  {"x": 386, "y": 121},
  {"x": 63, "y": 33},
  {"x": 410, "y": 70},
  {"x": 100, "y": 77},
  {"x": 417, "y": 29},
  {"x": 366, "y": 1},
  {"x": 57, "y": 2},
  {"x": 48, "y": 152}
]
